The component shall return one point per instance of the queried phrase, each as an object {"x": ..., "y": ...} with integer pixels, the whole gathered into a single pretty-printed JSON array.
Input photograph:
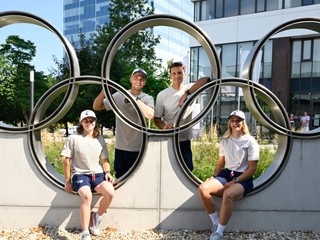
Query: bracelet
[
  {"x": 108, "y": 172},
  {"x": 188, "y": 92}
]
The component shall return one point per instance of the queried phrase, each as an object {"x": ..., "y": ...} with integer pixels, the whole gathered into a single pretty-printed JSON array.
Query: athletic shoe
[
  {"x": 215, "y": 236},
  {"x": 94, "y": 224},
  {"x": 214, "y": 228},
  {"x": 85, "y": 236}
]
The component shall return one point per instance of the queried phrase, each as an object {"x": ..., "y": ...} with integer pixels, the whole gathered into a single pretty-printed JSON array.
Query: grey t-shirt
[
  {"x": 85, "y": 153},
  {"x": 128, "y": 138}
]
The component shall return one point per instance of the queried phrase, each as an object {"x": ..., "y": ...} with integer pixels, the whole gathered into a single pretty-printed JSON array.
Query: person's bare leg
[
  {"x": 85, "y": 207},
  {"x": 206, "y": 190}
]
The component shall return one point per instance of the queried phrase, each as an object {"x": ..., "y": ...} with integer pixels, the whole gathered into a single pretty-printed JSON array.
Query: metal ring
[
  {"x": 150, "y": 21},
  {"x": 36, "y": 122},
  {"x": 283, "y": 128}
]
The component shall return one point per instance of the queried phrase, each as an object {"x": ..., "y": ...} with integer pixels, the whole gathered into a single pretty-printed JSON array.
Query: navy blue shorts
[
  {"x": 91, "y": 180},
  {"x": 226, "y": 176}
]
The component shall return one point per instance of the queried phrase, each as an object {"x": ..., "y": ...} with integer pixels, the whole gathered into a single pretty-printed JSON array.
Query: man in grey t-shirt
[{"x": 128, "y": 140}]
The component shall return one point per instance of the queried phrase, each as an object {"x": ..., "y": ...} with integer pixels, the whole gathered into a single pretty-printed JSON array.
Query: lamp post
[{"x": 31, "y": 90}]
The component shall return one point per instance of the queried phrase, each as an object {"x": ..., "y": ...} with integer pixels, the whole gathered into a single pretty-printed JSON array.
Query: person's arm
[
  {"x": 107, "y": 169},
  {"x": 146, "y": 110},
  {"x": 252, "y": 168},
  {"x": 67, "y": 174},
  {"x": 199, "y": 83},
  {"x": 160, "y": 123},
  {"x": 98, "y": 102},
  {"x": 219, "y": 166}
]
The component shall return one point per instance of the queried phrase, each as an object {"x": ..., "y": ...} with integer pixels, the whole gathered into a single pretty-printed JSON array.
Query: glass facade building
[
  {"x": 288, "y": 64},
  {"x": 85, "y": 16},
  {"x": 174, "y": 42}
]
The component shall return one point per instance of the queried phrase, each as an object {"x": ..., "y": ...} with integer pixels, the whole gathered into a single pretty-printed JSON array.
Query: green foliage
[
  {"x": 206, "y": 154},
  {"x": 16, "y": 55},
  {"x": 137, "y": 51}
]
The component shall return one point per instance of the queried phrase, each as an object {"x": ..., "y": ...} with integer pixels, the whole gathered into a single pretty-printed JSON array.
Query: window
[
  {"x": 219, "y": 8},
  {"x": 261, "y": 6},
  {"x": 274, "y": 5},
  {"x": 292, "y": 3},
  {"x": 231, "y": 8},
  {"x": 307, "y": 50},
  {"x": 307, "y": 2},
  {"x": 296, "y": 56},
  {"x": 316, "y": 58},
  {"x": 247, "y": 6}
]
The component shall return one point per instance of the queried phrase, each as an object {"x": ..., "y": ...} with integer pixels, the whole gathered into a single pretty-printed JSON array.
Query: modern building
[
  {"x": 174, "y": 43},
  {"x": 290, "y": 60},
  {"x": 84, "y": 16}
]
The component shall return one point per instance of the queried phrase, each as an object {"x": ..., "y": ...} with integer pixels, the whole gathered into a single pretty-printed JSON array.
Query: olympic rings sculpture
[{"x": 251, "y": 90}]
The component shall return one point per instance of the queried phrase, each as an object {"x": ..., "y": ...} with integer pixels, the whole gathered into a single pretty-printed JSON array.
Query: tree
[
  {"x": 137, "y": 51},
  {"x": 16, "y": 55}
]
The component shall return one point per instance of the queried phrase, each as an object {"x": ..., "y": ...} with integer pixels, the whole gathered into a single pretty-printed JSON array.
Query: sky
[{"x": 47, "y": 44}]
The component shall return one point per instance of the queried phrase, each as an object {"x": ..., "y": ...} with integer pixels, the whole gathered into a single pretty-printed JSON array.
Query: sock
[
  {"x": 98, "y": 217},
  {"x": 214, "y": 218},
  {"x": 220, "y": 229},
  {"x": 85, "y": 232}
]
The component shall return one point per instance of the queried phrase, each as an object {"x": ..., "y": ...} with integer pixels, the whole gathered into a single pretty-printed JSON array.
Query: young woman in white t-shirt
[{"x": 232, "y": 177}]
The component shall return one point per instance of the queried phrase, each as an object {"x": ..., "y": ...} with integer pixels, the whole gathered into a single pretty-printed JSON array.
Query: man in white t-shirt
[
  {"x": 304, "y": 120},
  {"x": 128, "y": 140},
  {"x": 170, "y": 100}
]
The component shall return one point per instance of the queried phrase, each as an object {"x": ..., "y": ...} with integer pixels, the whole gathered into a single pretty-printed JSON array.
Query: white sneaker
[
  {"x": 214, "y": 228},
  {"x": 94, "y": 224},
  {"x": 215, "y": 236},
  {"x": 85, "y": 236}
]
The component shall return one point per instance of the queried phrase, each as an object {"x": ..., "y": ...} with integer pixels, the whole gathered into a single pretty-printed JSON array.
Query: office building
[
  {"x": 290, "y": 60},
  {"x": 84, "y": 16}
]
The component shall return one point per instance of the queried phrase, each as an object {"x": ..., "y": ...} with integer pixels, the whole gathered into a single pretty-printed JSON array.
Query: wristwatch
[{"x": 236, "y": 180}]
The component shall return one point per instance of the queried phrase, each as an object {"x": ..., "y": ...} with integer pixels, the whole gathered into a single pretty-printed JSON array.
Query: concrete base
[{"x": 158, "y": 194}]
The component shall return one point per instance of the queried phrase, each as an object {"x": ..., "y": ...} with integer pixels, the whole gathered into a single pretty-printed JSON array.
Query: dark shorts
[
  {"x": 123, "y": 161},
  {"x": 80, "y": 180},
  {"x": 226, "y": 176}
]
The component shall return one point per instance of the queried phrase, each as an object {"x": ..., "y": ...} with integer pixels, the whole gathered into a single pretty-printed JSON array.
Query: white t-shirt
[
  {"x": 238, "y": 151},
  {"x": 167, "y": 108},
  {"x": 85, "y": 153},
  {"x": 128, "y": 138},
  {"x": 305, "y": 121}
]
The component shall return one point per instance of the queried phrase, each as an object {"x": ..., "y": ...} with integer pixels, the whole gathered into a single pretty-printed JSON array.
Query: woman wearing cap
[
  {"x": 232, "y": 177},
  {"x": 85, "y": 174}
]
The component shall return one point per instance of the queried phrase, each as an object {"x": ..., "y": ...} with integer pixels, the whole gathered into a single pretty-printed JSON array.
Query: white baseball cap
[
  {"x": 237, "y": 113},
  {"x": 87, "y": 113},
  {"x": 139, "y": 70}
]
